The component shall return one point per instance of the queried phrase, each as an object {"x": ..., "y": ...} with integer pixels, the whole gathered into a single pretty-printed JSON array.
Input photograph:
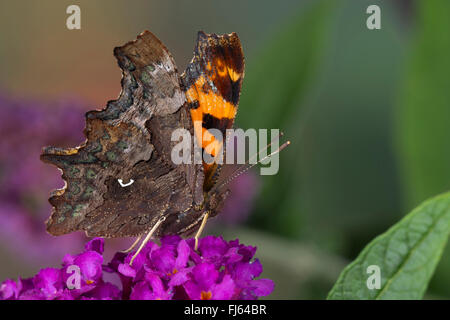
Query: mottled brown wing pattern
[{"x": 120, "y": 145}]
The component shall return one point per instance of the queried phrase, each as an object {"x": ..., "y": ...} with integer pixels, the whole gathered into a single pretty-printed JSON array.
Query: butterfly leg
[
  {"x": 133, "y": 245},
  {"x": 147, "y": 238},
  {"x": 199, "y": 232}
]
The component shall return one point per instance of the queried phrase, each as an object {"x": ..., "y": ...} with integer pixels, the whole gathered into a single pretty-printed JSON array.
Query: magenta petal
[
  {"x": 105, "y": 291},
  {"x": 205, "y": 274},
  {"x": 224, "y": 290},
  {"x": 33, "y": 295},
  {"x": 9, "y": 290},
  {"x": 164, "y": 259},
  {"x": 180, "y": 277},
  {"x": 247, "y": 252},
  {"x": 68, "y": 260},
  {"x": 142, "y": 258},
  {"x": 141, "y": 291},
  {"x": 90, "y": 264},
  {"x": 195, "y": 257},
  {"x": 192, "y": 290},
  {"x": 247, "y": 271},
  {"x": 183, "y": 251},
  {"x": 66, "y": 294},
  {"x": 126, "y": 270},
  {"x": 25, "y": 284},
  {"x": 232, "y": 256},
  {"x": 48, "y": 281},
  {"x": 262, "y": 287},
  {"x": 212, "y": 247},
  {"x": 96, "y": 244},
  {"x": 113, "y": 265},
  {"x": 151, "y": 289},
  {"x": 157, "y": 287}
]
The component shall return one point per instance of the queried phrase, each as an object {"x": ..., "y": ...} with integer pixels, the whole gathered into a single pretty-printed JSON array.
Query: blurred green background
[{"x": 367, "y": 111}]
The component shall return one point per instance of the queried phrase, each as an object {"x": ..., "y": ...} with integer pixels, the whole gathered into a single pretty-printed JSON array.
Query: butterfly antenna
[
  {"x": 245, "y": 167},
  {"x": 263, "y": 149},
  {"x": 241, "y": 169},
  {"x": 284, "y": 145}
]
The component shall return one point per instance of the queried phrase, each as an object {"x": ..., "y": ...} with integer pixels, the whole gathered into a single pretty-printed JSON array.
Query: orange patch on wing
[
  {"x": 210, "y": 102},
  {"x": 223, "y": 70},
  {"x": 233, "y": 74},
  {"x": 204, "y": 138},
  {"x": 65, "y": 152},
  {"x": 210, "y": 143}
]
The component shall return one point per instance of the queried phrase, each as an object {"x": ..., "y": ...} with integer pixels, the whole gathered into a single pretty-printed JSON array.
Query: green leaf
[{"x": 407, "y": 255}]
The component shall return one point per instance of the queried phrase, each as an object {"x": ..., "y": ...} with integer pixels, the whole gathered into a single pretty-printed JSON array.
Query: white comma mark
[{"x": 125, "y": 184}]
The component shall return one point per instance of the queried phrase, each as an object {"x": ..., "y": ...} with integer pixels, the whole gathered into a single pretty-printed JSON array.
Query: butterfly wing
[
  {"x": 123, "y": 143},
  {"x": 212, "y": 82}
]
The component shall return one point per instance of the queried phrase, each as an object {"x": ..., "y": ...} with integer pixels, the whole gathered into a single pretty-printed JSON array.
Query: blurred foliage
[
  {"x": 346, "y": 166},
  {"x": 423, "y": 117},
  {"x": 333, "y": 85},
  {"x": 275, "y": 82},
  {"x": 331, "y": 91}
]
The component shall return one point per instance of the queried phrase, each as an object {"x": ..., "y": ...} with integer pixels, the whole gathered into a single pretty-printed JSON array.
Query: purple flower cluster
[
  {"x": 218, "y": 270},
  {"x": 80, "y": 278}
]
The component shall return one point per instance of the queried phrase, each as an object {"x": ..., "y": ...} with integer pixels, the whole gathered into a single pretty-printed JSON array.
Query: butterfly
[{"x": 121, "y": 181}]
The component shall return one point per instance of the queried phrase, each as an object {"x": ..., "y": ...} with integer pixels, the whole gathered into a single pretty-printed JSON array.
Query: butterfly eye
[{"x": 125, "y": 184}]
